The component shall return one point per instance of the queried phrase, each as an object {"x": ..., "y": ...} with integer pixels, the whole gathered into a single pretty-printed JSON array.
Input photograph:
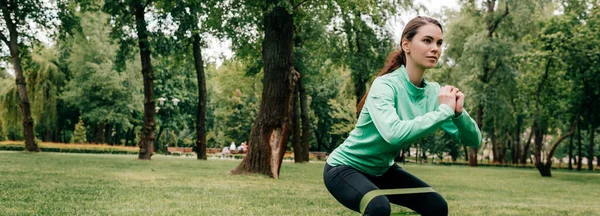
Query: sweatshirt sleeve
[
  {"x": 464, "y": 129},
  {"x": 382, "y": 109}
]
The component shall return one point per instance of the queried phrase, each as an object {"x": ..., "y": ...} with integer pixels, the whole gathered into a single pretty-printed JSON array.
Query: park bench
[{"x": 180, "y": 150}]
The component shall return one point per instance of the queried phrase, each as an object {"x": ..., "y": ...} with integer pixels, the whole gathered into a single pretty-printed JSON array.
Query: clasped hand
[{"x": 452, "y": 97}]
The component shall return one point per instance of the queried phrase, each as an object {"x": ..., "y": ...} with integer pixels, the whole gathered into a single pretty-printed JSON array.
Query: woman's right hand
[{"x": 448, "y": 96}]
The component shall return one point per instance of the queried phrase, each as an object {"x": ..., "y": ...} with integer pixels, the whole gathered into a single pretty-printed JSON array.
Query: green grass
[{"x": 94, "y": 184}]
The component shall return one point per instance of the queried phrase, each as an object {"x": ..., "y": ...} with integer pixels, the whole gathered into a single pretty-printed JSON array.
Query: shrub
[{"x": 71, "y": 148}]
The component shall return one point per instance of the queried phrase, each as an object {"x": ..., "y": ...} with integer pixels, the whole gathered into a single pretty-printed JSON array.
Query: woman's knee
[
  {"x": 379, "y": 205},
  {"x": 436, "y": 205}
]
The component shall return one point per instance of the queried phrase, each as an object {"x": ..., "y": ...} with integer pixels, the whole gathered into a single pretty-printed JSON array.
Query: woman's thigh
[
  {"x": 347, "y": 185},
  {"x": 431, "y": 203}
]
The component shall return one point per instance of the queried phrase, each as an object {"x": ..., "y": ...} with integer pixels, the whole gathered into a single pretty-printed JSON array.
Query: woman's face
[{"x": 426, "y": 46}]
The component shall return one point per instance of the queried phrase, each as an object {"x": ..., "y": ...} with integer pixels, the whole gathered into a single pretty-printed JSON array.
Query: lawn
[{"x": 99, "y": 184}]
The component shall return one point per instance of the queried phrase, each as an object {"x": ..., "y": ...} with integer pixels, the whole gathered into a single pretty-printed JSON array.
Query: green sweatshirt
[{"x": 395, "y": 114}]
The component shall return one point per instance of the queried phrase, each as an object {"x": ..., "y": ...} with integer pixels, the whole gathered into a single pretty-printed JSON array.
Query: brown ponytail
[{"x": 398, "y": 57}]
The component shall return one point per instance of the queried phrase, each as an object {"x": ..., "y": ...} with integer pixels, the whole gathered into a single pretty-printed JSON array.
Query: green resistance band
[{"x": 374, "y": 193}]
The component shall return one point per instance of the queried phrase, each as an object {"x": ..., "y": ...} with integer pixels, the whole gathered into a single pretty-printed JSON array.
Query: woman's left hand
[{"x": 460, "y": 100}]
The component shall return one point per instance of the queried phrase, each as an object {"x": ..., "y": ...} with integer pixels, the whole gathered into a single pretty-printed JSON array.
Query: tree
[
  {"x": 79, "y": 133},
  {"x": 13, "y": 16},
  {"x": 103, "y": 96},
  {"x": 187, "y": 14},
  {"x": 272, "y": 127},
  {"x": 121, "y": 12},
  {"x": 17, "y": 32}
]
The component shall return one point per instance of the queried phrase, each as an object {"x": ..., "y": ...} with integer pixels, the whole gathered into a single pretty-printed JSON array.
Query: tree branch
[
  {"x": 561, "y": 138},
  {"x": 497, "y": 21}
]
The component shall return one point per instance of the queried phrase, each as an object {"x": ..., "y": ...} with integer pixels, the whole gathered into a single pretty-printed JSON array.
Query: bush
[{"x": 71, "y": 148}]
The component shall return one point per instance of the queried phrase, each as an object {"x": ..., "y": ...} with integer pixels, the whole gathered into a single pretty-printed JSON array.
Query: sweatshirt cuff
[
  {"x": 462, "y": 120},
  {"x": 446, "y": 110}
]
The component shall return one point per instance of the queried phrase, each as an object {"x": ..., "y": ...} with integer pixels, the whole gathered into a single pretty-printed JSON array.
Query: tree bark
[
  {"x": 305, "y": 121},
  {"x": 24, "y": 105},
  {"x": 296, "y": 134},
  {"x": 272, "y": 127},
  {"x": 591, "y": 149},
  {"x": 147, "y": 135},
  {"x": 201, "y": 115}
]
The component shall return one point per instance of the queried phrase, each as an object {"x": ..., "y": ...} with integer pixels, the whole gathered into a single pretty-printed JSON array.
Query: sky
[{"x": 218, "y": 50}]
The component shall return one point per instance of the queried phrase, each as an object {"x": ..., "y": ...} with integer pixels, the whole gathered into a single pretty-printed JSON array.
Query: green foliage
[
  {"x": 79, "y": 135},
  {"x": 9, "y": 109},
  {"x": 234, "y": 100},
  {"x": 44, "y": 80},
  {"x": 101, "y": 94}
]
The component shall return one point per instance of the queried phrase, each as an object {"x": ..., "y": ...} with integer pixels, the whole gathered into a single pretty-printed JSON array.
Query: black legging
[{"x": 349, "y": 185}]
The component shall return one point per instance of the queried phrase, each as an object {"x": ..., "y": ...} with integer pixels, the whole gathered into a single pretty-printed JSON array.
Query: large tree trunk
[
  {"x": 147, "y": 135},
  {"x": 305, "y": 121},
  {"x": 201, "y": 116},
  {"x": 296, "y": 134},
  {"x": 24, "y": 104},
  {"x": 591, "y": 149},
  {"x": 272, "y": 127}
]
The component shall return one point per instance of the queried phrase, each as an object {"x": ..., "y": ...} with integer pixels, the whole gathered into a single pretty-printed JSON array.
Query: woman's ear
[{"x": 405, "y": 45}]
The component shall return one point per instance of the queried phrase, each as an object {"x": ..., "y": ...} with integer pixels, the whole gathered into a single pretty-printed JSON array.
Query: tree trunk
[
  {"x": 305, "y": 121},
  {"x": 147, "y": 135},
  {"x": 579, "y": 156},
  {"x": 525, "y": 154},
  {"x": 296, "y": 135},
  {"x": 157, "y": 144},
  {"x": 13, "y": 45},
  {"x": 127, "y": 136},
  {"x": 272, "y": 127},
  {"x": 545, "y": 168},
  {"x": 517, "y": 141},
  {"x": 591, "y": 149},
  {"x": 108, "y": 134},
  {"x": 571, "y": 153},
  {"x": 473, "y": 151},
  {"x": 201, "y": 115},
  {"x": 99, "y": 138},
  {"x": 466, "y": 153},
  {"x": 495, "y": 147}
]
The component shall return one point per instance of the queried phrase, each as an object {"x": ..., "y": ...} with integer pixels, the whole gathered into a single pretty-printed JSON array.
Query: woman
[{"x": 400, "y": 108}]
